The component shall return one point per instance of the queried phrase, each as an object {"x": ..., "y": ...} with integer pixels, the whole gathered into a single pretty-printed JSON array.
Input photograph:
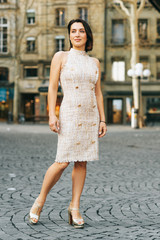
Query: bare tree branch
[
  {"x": 124, "y": 9},
  {"x": 31, "y": 4},
  {"x": 140, "y": 7},
  {"x": 119, "y": 10},
  {"x": 128, "y": 1}
]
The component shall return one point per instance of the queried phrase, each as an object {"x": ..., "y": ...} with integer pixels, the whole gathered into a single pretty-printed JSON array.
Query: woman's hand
[
  {"x": 102, "y": 129},
  {"x": 54, "y": 123}
]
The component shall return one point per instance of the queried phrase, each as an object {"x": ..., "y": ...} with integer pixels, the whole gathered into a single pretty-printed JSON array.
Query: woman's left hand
[{"x": 102, "y": 129}]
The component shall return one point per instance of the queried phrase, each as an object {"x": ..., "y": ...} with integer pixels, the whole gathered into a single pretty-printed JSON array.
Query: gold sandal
[
  {"x": 34, "y": 215},
  {"x": 75, "y": 221}
]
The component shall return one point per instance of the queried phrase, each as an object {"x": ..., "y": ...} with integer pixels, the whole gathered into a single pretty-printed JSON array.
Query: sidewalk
[
  {"x": 44, "y": 128},
  {"x": 120, "y": 200}
]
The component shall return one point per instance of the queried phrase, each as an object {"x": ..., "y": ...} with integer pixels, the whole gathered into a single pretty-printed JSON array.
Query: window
[
  {"x": 139, "y": 1},
  {"x": 30, "y": 16},
  {"x": 158, "y": 31},
  {"x": 153, "y": 105},
  {"x": 3, "y": 1},
  {"x": 30, "y": 44},
  {"x": 158, "y": 68},
  {"x": 128, "y": 109},
  {"x": 118, "y": 70},
  {"x": 47, "y": 71},
  {"x": 59, "y": 43},
  {"x": 158, "y": 27},
  {"x": 60, "y": 17},
  {"x": 143, "y": 29},
  {"x": 145, "y": 61},
  {"x": 3, "y": 74},
  {"x": 83, "y": 14},
  {"x": 3, "y": 35},
  {"x": 31, "y": 72},
  {"x": 118, "y": 32}
]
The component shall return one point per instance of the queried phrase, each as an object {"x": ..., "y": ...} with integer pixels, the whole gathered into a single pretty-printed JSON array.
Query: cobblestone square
[{"x": 121, "y": 196}]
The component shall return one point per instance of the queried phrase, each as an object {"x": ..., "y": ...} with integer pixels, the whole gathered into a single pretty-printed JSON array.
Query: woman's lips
[{"x": 77, "y": 40}]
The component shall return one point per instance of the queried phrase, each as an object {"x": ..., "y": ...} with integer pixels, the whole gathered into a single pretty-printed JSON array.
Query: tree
[
  {"x": 129, "y": 9},
  {"x": 21, "y": 31}
]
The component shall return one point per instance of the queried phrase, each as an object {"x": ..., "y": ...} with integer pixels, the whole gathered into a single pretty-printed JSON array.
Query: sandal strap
[
  {"x": 77, "y": 220},
  {"x": 76, "y": 209},
  {"x": 37, "y": 204},
  {"x": 32, "y": 215}
]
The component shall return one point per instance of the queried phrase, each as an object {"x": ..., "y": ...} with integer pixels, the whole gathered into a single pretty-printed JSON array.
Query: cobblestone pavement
[{"x": 120, "y": 200}]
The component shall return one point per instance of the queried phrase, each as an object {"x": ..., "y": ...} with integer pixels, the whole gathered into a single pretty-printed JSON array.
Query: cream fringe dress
[{"x": 78, "y": 115}]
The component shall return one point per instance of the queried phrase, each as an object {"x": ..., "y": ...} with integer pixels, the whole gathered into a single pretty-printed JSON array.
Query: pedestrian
[{"x": 81, "y": 117}]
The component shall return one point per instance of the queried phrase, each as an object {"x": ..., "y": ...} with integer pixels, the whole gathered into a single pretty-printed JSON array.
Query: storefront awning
[
  {"x": 43, "y": 88},
  {"x": 156, "y": 4},
  {"x": 6, "y": 84}
]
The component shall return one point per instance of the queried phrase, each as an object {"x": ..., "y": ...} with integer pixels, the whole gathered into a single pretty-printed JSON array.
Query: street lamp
[{"x": 137, "y": 72}]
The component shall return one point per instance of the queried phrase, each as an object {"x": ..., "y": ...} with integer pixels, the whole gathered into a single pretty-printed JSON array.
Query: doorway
[{"x": 115, "y": 110}]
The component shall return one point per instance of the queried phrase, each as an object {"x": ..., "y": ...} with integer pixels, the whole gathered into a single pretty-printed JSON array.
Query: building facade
[
  {"x": 32, "y": 31},
  {"x": 7, "y": 54},
  {"x": 36, "y": 30},
  {"x": 117, "y": 86}
]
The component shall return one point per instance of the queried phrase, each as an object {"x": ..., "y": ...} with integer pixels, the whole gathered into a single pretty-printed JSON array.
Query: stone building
[
  {"x": 35, "y": 31},
  {"x": 32, "y": 31},
  {"x": 7, "y": 53},
  {"x": 117, "y": 86}
]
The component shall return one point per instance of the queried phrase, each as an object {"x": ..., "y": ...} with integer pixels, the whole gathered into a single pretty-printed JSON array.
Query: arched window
[
  {"x": 60, "y": 17},
  {"x": 3, "y": 35},
  {"x": 4, "y": 74},
  {"x": 83, "y": 13},
  {"x": 30, "y": 16},
  {"x": 31, "y": 44},
  {"x": 60, "y": 41}
]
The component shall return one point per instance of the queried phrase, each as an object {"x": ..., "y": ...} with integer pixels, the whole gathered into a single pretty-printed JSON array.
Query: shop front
[
  {"x": 43, "y": 95},
  {"x": 28, "y": 105},
  {"x": 118, "y": 109},
  {"x": 6, "y": 94},
  {"x": 152, "y": 109},
  {"x": 6, "y": 101}
]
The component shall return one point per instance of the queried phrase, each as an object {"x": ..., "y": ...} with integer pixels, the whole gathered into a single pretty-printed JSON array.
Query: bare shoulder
[
  {"x": 96, "y": 61},
  {"x": 59, "y": 57}
]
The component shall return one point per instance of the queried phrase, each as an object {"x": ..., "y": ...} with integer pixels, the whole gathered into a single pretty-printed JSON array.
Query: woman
[{"x": 81, "y": 118}]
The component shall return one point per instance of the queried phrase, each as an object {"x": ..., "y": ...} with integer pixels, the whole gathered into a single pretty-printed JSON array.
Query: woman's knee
[
  {"x": 81, "y": 164},
  {"x": 63, "y": 165}
]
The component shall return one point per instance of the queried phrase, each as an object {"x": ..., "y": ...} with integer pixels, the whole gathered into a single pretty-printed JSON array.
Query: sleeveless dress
[{"x": 78, "y": 114}]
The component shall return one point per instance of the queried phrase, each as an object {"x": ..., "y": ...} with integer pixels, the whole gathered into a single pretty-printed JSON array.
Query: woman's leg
[
  {"x": 78, "y": 180},
  {"x": 51, "y": 177}
]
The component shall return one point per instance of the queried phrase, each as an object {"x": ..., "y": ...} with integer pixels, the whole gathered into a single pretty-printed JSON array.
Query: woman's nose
[{"x": 77, "y": 33}]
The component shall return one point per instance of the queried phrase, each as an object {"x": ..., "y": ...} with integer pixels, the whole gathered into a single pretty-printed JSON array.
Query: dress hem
[{"x": 91, "y": 160}]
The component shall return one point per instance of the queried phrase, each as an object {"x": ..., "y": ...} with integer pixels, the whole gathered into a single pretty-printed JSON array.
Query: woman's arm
[
  {"x": 52, "y": 90},
  {"x": 100, "y": 104}
]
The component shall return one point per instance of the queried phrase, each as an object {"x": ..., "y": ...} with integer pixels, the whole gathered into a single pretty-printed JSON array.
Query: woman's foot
[
  {"x": 75, "y": 217},
  {"x": 35, "y": 211}
]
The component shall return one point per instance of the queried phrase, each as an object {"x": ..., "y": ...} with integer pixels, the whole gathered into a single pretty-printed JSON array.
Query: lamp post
[{"x": 138, "y": 72}]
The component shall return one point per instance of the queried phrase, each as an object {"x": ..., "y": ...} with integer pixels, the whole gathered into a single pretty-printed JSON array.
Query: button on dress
[{"x": 78, "y": 114}]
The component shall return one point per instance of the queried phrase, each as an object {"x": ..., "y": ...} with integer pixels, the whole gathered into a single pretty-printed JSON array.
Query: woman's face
[{"x": 78, "y": 36}]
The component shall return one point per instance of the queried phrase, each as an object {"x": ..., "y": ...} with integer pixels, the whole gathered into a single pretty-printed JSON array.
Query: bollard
[
  {"x": 21, "y": 118},
  {"x": 134, "y": 118},
  {"x": 10, "y": 117}
]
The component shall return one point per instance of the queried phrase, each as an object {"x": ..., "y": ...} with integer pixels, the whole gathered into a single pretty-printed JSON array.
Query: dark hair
[{"x": 89, "y": 43}]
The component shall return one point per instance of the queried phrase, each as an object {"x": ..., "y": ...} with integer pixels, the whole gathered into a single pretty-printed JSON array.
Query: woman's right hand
[{"x": 54, "y": 123}]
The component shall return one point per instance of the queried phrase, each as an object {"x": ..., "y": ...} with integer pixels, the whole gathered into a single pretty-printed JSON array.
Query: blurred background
[{"x": 125, "y": 33}]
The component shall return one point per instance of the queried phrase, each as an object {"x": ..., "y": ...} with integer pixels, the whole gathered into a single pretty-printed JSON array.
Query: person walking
[{"x": 81, "y": 117}]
